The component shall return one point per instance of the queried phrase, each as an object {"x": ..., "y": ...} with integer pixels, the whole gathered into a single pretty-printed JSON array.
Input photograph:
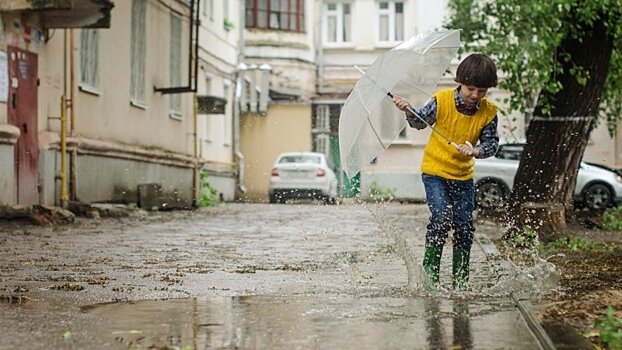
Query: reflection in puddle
[{"x": 267, "y": 322}]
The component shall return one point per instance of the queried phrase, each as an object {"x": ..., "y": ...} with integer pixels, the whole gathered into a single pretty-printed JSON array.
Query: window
[
  {"x": 225, "y": 8},
  {"x": 89, "y": 60},
  {"x": 275, "y": 14},
  {"x": 338, "y": 23},
  {"x": 226, "y": 91},
  {"x": 175, "y": 63},
  {"x": 322, "y": 144},
  {"x": 208, "y": 9},
  {"x": 390, "y": 21},
  {"x": 138, "y": 51},
  {"x": 208, "y": 91},
  {"x": 322, "y": 118}
]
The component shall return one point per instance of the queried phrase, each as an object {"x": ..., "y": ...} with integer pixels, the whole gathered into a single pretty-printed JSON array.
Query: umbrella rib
[
  {"x": 431, "y": 46},
  {"x": 416, "y": 87},
  {"x": 375, "y": 133},
  {"x": 368, "y": 120}
]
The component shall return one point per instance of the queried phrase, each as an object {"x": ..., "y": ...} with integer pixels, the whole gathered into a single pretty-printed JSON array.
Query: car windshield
[
  {"x": 512, "y": 152},
  {"x": 309, "y": 159}
]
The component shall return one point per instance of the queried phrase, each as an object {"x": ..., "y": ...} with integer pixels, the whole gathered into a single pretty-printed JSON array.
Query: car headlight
[{"x": 619, "y": 179}]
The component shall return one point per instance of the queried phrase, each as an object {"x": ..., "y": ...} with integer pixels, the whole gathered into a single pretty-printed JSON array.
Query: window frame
[
  {"x": 322, "y": 118},
  {"x": 89, "y": 61},
  {"x": 252, "y": 15},
  {"x": 227, "y": 88},
  {"x": 322, "y": 144},
  {"x": 175, "y": 64},
  {"x": 138, "y": 53},
  {"x": 339, "y": 14},
  {"x": 391, "y": 13},
  {"x": 207, "y": 130}
]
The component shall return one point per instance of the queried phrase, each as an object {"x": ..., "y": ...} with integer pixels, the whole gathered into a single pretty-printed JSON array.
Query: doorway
[{"x": 22, "y": 112}]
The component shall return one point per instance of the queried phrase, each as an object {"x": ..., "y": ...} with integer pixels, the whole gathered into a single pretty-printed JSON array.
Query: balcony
[{"x": 63, "y": 13}]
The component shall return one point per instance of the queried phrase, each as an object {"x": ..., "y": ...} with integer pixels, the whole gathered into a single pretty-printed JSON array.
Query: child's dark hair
[{"x": 477, "y": 70}]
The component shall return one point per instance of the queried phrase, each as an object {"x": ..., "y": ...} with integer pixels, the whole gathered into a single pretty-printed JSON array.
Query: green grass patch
[
  {"x": 378, "y": 193},
  {"x": 612, "y": 219},
  {"x": 208, "y": 195},
  {"x": 610, "y": 329},
  {"x": 577, "y": 244}
]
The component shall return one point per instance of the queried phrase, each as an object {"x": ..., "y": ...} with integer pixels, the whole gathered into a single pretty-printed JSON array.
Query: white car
[
  {"x": 597, "y": 187},
  {"x": 302, "y": 175}
]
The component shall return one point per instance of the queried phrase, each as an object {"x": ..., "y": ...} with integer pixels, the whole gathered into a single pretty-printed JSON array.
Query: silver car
[
  {"x": 597, "y": 187},
  {"x": 302, "y": 175}
]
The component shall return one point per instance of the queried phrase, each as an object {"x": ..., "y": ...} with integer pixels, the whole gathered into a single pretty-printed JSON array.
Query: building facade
[
  {"x": 278, "y": 44},
  {"x": 113, "y": 117},
  {"x": 108, "y": 111}
]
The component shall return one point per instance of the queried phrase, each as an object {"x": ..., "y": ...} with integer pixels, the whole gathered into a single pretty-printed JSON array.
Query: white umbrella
[{"x": 369, "y": 121}]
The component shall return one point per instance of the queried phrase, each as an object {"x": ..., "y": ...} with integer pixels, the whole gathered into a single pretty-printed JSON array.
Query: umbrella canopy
[{"x": 369, "y": 121}]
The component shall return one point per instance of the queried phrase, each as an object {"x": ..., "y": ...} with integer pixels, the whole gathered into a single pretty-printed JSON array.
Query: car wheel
[
  {"x": 597, "y": 196},
  {"x": 329, "y": 200},
  {"x": 490, "y": 195}
]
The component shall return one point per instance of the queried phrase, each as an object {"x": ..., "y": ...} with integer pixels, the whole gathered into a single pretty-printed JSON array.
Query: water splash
[
  {"x": 531, "y": 281},
  {"x": 405, "y": 252}
]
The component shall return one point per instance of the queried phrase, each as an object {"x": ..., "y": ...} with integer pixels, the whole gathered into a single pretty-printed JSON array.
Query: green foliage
[
  {"x": 610, "y": 328},
  {"x": 380, "y": 194},
  {"x": 208, "y": 195},
  {"x": 522, "y": 247},
  {"x": 574, "y": 243},
  {"x": 612, "y": 219},
  {"x": 227, "y": 24},
  {"x": 524, "y": 38},
  {"x": 528, "y": 239}
]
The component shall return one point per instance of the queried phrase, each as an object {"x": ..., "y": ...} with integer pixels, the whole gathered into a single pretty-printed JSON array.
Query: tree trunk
[{"x": 542, "y": 196}]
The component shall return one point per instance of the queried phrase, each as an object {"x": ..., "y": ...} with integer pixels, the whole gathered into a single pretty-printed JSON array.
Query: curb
[{"x": 524, "y": 306}]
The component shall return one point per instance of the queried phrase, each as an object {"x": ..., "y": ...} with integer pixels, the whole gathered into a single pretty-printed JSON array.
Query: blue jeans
[{"x": 451, "y": 204}]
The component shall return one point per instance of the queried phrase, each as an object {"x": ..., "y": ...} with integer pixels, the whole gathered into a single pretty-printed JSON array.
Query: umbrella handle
[{"x": 453, "y": 144}]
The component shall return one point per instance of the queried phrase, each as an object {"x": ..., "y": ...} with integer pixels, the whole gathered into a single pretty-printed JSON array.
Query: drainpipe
[
  {"x": 63, "y": 152},
  {"x": 72, "y": 117},
  {"x": 62, "y": 174},
  {"x": 320, "y": 51},
  {"x": 236, "y": 98},
  {"x": 236, "y": 126},
  {"x": 195, "y": 172}
]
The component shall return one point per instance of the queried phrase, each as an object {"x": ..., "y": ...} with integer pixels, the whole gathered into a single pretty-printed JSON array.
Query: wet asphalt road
[{"x": 247, "y": 276}]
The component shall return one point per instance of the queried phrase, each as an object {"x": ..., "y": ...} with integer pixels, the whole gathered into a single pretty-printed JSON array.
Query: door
[{"x": 22, "y": 112}]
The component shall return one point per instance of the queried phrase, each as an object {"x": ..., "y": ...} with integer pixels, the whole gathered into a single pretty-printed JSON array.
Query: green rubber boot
[
  {"x": 460, "y": 268},
  {"x": 432, "y": 265}
]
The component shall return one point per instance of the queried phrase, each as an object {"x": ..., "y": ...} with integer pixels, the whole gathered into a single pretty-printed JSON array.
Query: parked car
[
  {"x": 597, "y": 187},
  {"x": 302, "y": 175}
]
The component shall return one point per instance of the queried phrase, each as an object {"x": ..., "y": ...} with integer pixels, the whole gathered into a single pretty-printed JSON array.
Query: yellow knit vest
[{"x": 440, "y": 158}]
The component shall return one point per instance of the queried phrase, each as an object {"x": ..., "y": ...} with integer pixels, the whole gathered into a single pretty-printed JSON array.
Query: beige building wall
[
  {"x": 117, "y": 144},
  {"x": 109, "y": 114},
  {"x": 218, "y": 57},
  {"x": 604, "y": 149},
  {"x": 285, "y": 128}
]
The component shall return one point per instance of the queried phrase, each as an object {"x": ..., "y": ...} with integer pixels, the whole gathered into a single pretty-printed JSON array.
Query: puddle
[{"x": 301, "y": 322}]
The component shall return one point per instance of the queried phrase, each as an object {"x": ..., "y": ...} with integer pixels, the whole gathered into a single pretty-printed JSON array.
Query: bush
[
  {"x": 610, "y": 329},
  {"x": 380, "y": 194},
  {"x": 612, "y": 219},
  {"x": 208, "y": 194}
]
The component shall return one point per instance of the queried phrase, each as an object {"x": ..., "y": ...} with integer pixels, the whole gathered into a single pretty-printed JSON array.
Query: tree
[{"x": 561, "y": 61}]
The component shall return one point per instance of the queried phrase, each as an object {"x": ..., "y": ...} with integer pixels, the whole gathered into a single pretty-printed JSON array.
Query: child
[{"x": 464, "y": 116}]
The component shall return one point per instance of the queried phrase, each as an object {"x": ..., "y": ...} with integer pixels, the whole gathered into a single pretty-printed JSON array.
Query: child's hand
[
  {"x": 467, "y": 149},
  {"x": 401, "y": 103}
]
